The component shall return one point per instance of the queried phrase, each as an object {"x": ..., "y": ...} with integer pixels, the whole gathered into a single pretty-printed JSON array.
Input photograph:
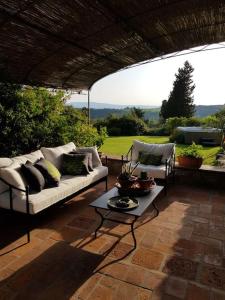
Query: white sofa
[
  {"x": 162, "y": 171},
  {"x": 14, "y": 192}
]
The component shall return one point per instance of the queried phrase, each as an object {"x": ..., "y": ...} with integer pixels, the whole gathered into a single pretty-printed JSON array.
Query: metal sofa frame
[{"x": 26, "y": 191}]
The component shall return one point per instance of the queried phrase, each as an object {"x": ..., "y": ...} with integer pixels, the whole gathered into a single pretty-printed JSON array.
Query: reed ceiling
[{"x": 71, "y": 44}]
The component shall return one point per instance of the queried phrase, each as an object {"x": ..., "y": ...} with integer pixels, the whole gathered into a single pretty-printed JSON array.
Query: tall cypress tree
[{"x": 181, "y": 101}]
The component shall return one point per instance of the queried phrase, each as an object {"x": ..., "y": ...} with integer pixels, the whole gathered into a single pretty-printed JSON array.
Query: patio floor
[{"x": 180, "y": 254}]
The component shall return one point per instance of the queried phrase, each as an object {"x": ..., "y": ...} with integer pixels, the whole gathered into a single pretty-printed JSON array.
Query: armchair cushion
[
  {"x": 165, "y": 150},
  {"x": 149, "y": 159}
]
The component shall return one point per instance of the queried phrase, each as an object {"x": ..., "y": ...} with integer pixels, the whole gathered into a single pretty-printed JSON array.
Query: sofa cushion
[
  {"x": 156, "y": 149},
  {"x": 96, "y": 161},
  {"x": 68, "y": 185},
  {"x": 33, "y": 176},
  {"x": 50, "y": 173},
  {"x": 4, "y": 162},
  {"x": 32, "y": 157},
  {"x": 75, "y": 164},
  {"x": 54, "y": 155},
  {"x": 13, "y": 176}
]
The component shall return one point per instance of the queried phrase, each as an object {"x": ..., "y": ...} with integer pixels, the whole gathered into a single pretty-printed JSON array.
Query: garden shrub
[
  {"x": 177, "y": 136},
  {"x": 34, "y": 117}
]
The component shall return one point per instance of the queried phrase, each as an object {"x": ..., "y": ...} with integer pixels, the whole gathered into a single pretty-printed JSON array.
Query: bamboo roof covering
[{"x": 71, "y": 44}]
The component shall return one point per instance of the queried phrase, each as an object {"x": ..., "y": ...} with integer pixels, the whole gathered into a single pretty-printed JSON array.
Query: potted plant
[
  {"x": 144, "y": 181},
  {"x": 191, "y": 157},
  {"x": 126, "y": 178}
]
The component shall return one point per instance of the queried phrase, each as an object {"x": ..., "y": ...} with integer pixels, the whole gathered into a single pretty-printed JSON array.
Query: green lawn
[{"x": 117, "y": 146}]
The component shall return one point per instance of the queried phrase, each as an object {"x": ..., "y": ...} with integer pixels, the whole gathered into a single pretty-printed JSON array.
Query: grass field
[{"x": 116, "y": 146}]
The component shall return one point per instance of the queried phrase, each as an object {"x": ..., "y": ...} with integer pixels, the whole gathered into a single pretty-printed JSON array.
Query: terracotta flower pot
[
  {"x": 145, "y": 184},
  {"x": 189, "y": 162}
]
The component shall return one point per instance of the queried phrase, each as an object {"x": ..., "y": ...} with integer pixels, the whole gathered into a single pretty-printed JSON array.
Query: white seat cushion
[
  {"x": 157, "y": 149},
  {"x": 152, "y": 171},
  {"x": 68, "y": 186}
]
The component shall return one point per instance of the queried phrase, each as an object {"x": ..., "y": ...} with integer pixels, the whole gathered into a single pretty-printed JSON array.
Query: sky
[{"x": 151, "y": 83}]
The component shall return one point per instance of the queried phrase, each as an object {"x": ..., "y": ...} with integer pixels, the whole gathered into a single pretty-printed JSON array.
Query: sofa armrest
[{"x": 11, "y": 187}]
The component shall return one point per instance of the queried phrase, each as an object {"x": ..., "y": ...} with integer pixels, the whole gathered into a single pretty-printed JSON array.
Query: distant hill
[
  {"x": 102, "y": 110},
  {"x": 206, "y": 110},
  {"x": 98, "y": 105}
]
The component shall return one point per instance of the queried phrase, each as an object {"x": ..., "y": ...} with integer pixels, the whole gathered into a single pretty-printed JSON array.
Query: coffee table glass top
[{"x": 144, "y": 201}]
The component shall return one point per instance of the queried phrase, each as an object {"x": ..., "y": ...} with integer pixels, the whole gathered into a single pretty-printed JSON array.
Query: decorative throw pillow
[
  {"x": 75, "y": 164},
  {"x": 146, "y": 158},
  {"x": 95, "y": 157},
  {"x": 33, "y": 176},
  {"x": 89, "y": 154},
  {"x": 50, "y": 173}
]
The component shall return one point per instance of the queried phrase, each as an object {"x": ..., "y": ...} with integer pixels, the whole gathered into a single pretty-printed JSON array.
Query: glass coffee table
[{"x": 144, "y": 203}]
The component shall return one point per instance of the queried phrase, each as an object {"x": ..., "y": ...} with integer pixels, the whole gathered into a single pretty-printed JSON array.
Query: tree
[
  {"x": 180, "y": 101},
  {"x": 137, "y": 113},
  {"x": 35, "y": 117}
]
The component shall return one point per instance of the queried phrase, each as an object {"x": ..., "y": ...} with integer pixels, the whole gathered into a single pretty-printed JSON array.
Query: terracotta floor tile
[
  {"x": 120, "y": 250},
  {"x": 197, "y": 292},
  {"x": 116, "y": 270},
  {"x": 136, "y": 275},
  {"x": 68, "y": 234},
  {"x": 7, "y": 259},
  {"x": 189, "y": 249},
  {"x": 201, "y": 229},
  {"x": 82, "y": 222},
  {"x": 218, "y": 208},
  {"x": 216, "y": 220},
  {"x": 208, "y": 241},
  {"x": 217, "y": 232},
  {"x": 217, "y": 295},
  {"x": 7, "y": 294},
  {"x": 154, "y": 280},
  {"x": 149, "y": 239},
  {"x": 88, "y": 286},
  {"x": 181, "y": 267},
  {"x": 213, "y": 256},
  {"x": 185, "y": 243},
  {"x": 212, "y": 276},
  {"x": 147, "y": 258},
  {"x": 176, "y": 287},
  {"x": 131, "y": 292}
]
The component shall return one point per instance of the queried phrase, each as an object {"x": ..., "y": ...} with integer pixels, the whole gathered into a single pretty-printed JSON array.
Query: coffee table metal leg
[
  {"x": 101, "y": 223},
  {"x": 132, "y": 232},
  {"x": 156, "y": 208}
]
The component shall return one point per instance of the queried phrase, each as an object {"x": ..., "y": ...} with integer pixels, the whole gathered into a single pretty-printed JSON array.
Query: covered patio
[{"x": 180, "y": 254}]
